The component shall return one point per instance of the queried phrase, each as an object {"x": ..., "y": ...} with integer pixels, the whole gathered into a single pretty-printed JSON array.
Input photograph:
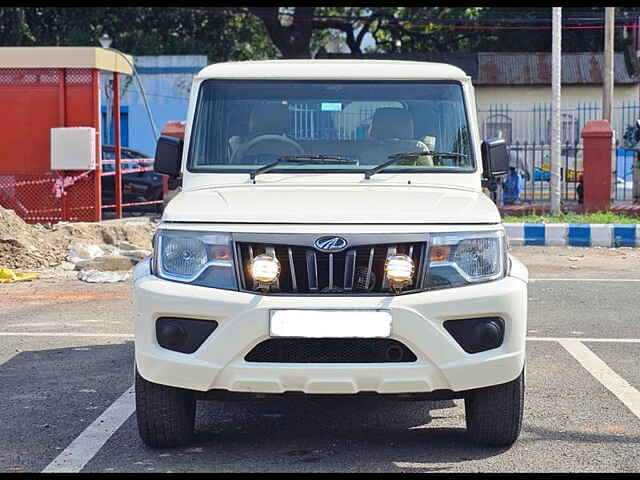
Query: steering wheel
[{"x": 267, "y": 144}]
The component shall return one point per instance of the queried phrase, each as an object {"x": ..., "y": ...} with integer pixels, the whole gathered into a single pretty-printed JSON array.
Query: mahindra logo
[{"x": 330, "y": 244}]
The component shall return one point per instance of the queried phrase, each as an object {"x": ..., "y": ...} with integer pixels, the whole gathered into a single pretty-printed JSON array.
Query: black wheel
[
  {"x": 494, "y": 414},
  {"x": 166, "y": 415}
]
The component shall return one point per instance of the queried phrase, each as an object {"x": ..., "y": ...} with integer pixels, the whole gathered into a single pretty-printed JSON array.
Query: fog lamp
[
  {"x": 264, "y": 269},
  {"x": 399, "y": 270}
]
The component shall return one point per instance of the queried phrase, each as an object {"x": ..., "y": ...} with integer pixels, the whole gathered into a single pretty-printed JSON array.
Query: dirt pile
[
  {"x": 137, "y": 232},
  {"x": 24, "y": 246}
]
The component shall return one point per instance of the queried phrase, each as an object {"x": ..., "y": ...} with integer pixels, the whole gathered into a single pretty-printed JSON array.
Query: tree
[
  {"x": 220, "y": 34},
  {"x": 240, "y": 33},
  {"x": 297, "y": 31},
  {"x": 13, "y": 27}
]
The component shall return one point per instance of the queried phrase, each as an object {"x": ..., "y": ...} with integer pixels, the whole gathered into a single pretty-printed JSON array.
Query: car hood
[{"x": 353, "y": 204}]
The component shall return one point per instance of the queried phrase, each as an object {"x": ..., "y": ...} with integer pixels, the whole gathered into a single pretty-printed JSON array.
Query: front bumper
[{"x": 418, "y": 319}]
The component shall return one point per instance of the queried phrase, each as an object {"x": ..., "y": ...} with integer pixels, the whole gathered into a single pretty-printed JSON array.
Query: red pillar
[
  {"x": 116, "y": 142},
  {"x": 95, "y": 82},
  {"x": 596, "y": 160},
  {"x": 62, "y": 116}
]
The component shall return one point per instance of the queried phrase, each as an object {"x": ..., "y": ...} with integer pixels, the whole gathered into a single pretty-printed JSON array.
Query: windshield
[{"x": 241, "y": 125}]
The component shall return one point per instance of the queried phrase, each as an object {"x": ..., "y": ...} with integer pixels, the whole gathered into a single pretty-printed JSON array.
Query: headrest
[
  {"x": 270, "y": 118},
  {"x": 391, "y": 122}
]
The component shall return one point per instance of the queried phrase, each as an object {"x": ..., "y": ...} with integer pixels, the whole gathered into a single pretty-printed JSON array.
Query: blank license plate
[{"x": 330, "y": 323}]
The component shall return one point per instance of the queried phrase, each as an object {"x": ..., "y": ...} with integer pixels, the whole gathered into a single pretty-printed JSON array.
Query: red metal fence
[
  {"x": 33, "y": 101},
  {"x": 51, "y": 197}
]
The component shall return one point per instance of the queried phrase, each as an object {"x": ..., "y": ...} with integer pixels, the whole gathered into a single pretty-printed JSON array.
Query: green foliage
[
  {"x": 13, "y": 27},
  {"x": 140, "y": 30},
  {"x": 240, "y": 33},
  {"x": 421, "y": 29},
  {"x": 598, "y": 217},
  {"x": 417, "y": 29}
]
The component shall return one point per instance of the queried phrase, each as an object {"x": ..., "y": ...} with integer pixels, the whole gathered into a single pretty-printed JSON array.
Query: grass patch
[{"x": 599, "y": 217}]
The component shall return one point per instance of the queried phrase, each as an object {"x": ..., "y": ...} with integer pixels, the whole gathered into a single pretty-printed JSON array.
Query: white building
[{"x": 513, "y": 91}]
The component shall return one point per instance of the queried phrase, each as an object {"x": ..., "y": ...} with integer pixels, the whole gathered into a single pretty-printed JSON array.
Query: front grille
[
  {"x": 356, "y": 270},
  {"x": 330, "y": 350}
]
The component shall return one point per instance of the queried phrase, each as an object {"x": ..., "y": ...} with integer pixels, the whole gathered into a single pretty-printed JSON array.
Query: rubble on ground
[
  {"x": 113, "y": 246},
  {"x": 106, "y": 263},
  {"x": 94, "y": 276}
]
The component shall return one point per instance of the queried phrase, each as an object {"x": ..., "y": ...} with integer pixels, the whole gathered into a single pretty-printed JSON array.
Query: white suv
[{"x": 331, "y": 237}]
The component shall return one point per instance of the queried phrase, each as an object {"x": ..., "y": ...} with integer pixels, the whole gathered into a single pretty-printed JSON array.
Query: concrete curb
[{"x": 574, "y": 234}]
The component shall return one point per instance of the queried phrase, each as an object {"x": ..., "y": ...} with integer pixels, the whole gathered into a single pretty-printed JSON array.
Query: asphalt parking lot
[{"x": 66, "y": 358}]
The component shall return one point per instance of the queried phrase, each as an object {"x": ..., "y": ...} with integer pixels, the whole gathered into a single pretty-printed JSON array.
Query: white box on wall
[{"x": 73, "y": 148}]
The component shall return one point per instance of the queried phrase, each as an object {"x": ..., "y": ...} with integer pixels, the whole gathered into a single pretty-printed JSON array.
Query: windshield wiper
[
  {"x": 396, "y": 157},
  {"x": 313, "y": 159}
]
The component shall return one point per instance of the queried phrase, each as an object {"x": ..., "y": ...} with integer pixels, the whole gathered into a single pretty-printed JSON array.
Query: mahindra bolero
[{"x": 332, "y": 237}]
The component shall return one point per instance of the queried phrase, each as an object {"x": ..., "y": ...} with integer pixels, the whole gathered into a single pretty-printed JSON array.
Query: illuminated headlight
[
  {"x": 399, "y": 270},
  {"x": 467, "y": 257},
  {"x": 199, "y": 258},
  {"x": 265, "y": 270}
]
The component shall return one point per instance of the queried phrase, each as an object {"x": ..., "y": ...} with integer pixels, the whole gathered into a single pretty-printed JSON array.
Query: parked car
[{"x": 137, "y": 186}]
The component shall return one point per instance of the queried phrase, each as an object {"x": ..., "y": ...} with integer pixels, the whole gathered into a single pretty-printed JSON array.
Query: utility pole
[
  {"x": 556, "y": 49},
  {"x": 607, "y": 93}
]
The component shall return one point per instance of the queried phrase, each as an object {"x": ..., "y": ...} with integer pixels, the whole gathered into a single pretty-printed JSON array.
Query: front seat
[
  {"x": 269, "y": 118},
  {"x": 268, "y": 126},
  {"x": 391, "y": 131}
]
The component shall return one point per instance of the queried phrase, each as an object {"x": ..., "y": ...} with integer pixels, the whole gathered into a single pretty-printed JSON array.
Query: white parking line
[
  {"x": 605, "y": 375},
  {"x": 62, "y": 334},
  {"x": 584, "y": 279},
  {"x": 431, "y": 466},
  {"x": 604, "y": 340},
  {"x": 90, "y": 441},
  {"x": 80, "y": 323}
]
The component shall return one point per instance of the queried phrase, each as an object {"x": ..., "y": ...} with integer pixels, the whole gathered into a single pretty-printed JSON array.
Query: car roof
[{"x": 333, "y": 69}]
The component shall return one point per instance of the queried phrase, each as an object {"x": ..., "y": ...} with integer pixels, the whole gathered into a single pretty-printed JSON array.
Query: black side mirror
[
  {"x": 168, "y": 156},
  {"x": 495, "y": 158}
]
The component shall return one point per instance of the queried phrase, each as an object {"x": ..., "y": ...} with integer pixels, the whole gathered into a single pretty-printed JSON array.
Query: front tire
[
  {"x": 494, "y": 414},
  {"x": 166, "y": 415}
]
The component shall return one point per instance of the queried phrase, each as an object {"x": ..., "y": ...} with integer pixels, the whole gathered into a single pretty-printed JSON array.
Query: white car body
[{"x": 332, "y": 204}]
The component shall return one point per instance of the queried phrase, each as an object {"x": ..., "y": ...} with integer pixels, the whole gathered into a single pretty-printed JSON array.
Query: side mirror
[
  {"x": 168, "y": 156},
  {"x": 495, "y": 158}
]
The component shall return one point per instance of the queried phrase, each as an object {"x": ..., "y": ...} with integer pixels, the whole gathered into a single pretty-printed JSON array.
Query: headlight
[
  {"x": 200, "y": 258},
  {"x": 265, "y": 270},
  {"x": 466, "y": 257},
  {"x": 399, "y": 270}
]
